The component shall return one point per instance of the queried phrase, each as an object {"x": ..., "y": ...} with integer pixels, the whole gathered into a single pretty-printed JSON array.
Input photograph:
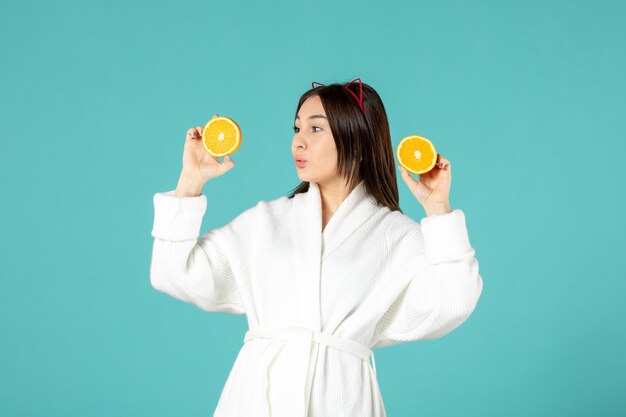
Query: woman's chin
[{"x": 303, "y": 176}]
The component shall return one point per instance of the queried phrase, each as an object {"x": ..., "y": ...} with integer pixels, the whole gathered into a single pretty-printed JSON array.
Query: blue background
[{"x": 523, "y": 98}]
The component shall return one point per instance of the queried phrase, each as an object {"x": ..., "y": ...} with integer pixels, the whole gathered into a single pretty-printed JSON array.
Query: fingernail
[{"x": 398, "y": 166}]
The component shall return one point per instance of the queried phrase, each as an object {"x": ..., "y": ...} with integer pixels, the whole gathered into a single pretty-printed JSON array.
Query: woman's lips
[{"x": 300, "y": 163}]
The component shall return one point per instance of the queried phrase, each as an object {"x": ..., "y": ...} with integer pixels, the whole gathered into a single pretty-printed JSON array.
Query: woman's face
[{"x": 314, "y": 143}]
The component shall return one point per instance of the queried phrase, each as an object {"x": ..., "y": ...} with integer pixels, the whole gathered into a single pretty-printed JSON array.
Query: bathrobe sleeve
[
  {"x": 444, "y": 292},
  {"x": 202, "y": 270}
]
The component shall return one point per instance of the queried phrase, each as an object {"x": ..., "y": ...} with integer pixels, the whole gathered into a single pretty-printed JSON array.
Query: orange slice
[
  {"x": 417, "y": 154},
  {"x": 221, "y": 136}
]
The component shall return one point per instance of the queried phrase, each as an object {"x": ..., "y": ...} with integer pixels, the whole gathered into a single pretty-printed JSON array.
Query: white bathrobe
[{"x": 317, "y": 302}]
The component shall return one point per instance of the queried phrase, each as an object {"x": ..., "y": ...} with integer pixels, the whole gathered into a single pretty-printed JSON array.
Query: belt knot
[{"x": 301, "y": 354}]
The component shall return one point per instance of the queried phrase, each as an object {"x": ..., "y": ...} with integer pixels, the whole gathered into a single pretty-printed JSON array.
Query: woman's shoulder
[
  {"x": 268, "y": 208},
  {"x": 397, "y": 220},
  {"x": 400, "y": 227}
]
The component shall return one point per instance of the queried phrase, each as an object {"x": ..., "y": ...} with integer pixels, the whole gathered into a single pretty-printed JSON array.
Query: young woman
[{"x": 326, "y": 274}]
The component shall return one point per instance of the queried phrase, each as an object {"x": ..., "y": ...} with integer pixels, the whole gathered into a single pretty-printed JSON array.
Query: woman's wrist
[
  {"x": 437, "y": 209},
  {"x": 188, "y": 186}
]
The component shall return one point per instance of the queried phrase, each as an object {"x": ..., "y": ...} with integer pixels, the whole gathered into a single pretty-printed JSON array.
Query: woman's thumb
[{"x": 422, "y": 191}]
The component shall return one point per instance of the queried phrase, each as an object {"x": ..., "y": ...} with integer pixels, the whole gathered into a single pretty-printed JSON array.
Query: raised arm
[
  {"x": 205, "y": 270},
  {"x": 443, "y": 291}
]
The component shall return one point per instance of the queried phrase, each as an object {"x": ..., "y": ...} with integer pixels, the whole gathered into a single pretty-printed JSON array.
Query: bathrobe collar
[
  {"x": 313, "y": 245},
  {"x": 353, "y": 211}
]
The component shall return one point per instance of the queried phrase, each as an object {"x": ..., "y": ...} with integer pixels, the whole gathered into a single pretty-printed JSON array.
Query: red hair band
[{"x": 359, "y": 99}]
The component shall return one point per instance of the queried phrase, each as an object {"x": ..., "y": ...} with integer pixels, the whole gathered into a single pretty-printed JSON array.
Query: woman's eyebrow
[{"x": 315, "y": 116}]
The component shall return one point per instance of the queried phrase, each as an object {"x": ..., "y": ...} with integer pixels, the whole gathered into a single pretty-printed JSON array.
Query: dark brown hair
[{"x": 364, "y": 149}]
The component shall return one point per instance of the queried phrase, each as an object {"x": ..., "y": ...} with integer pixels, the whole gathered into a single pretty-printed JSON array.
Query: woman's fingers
[
  {"x": 196, "y": 132},
  {"x": 417, "y": 187},
  {"x": 191, "y": 133},
  {"x": 443, "y": 163},
  {"x": 228, "y": 162}
]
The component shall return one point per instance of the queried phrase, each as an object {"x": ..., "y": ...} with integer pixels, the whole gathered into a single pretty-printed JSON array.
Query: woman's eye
[{"x": 295, "y": 129}]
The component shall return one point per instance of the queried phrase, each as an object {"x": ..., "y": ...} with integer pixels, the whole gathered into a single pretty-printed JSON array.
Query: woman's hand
[
  {"x": 198, "y": 163},
  {"x": 432, "y": 189}
]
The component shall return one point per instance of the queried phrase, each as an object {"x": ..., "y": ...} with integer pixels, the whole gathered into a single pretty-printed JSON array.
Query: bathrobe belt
[{"x": 301, "y": 349}]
